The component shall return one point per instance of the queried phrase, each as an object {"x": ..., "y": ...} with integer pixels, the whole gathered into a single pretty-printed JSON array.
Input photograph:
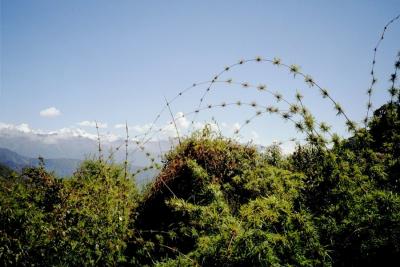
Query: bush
[
  {"x": 82, "y": 220},
  {"x": 219, "y": 203}
]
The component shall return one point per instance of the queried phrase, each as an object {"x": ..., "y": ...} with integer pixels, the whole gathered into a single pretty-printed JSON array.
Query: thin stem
[
  {"x": 173, "y": 119},
  {"x": 126, "y": 149},
  {"x": 99, "y": 142},
  {"x": 373, "y": 78}
]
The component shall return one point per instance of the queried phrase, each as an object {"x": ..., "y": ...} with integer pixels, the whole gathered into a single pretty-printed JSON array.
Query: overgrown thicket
[
  {"x": 83, "y": 220},
  {"x": 217, "y": 202}
]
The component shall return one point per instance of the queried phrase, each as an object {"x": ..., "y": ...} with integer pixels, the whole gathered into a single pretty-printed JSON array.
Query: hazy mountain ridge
[
  {"x": 61, "y": 166},
  {"x": 65, "y": 149},
  {"x": 74, "y": 143}
]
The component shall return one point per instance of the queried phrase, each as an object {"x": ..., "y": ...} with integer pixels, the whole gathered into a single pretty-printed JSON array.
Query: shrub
[
  {"x": 219, "y": 203},
  {"x": 78, "y": 221}
]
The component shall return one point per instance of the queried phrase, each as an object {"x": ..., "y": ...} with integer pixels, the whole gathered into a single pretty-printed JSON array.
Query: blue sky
[{"x": 113, "y": 61}]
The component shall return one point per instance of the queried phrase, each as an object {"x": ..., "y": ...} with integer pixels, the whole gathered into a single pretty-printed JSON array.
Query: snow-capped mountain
[{"x": 75, "y": 143}]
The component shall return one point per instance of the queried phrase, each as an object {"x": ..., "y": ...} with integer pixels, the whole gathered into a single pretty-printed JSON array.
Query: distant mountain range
[
  {"x": 74, "y": 144},
  {"x": 64, "y": 149},
  {"x": 62, "y": 167}
]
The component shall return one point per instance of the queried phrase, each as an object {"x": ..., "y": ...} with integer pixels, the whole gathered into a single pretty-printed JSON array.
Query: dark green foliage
[
  {"x": 217, "y": 203},
  {"x": 5, "y": 171},
  {"x": 385, "y": 140},
  {"x": 27, "y": 202},
  {"x": 352, "y": 190},
  {"x": 82, "y": 220}
]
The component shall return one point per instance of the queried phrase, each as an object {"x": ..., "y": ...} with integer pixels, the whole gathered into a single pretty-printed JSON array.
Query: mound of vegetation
[
  {"x": 220, "y": 203},
  {"x": 84, "y": 220},
  {"x": 217, "y": 202}
]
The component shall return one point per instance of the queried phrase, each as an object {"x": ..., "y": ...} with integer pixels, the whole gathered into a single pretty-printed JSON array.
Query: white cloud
[
  {"x": 72, "y": 132},
  {"x": 182, "y": 124},
  {"x": 185, "y": 126},
  {"x": 229, "y": 129},
  {"x": 119, "y": 126},
  {"x": 50, "y": 112},
  {"x": 23, "y": 127},
  {"x": 92, "y": 124},
  {"x": 181, "y": 121},
  {"x": 140, "y": 128},
  {"x": 255, "y": 137},
  {"x": 168, "y": 131},
  {"x": 288, "y": 147}
]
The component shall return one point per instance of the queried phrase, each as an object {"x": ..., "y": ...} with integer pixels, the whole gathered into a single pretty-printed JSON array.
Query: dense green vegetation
[
  {"x": 82, "y": 220},
  {"x": 216, "y": 203},
  {"x": 5, "y": 171}
]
